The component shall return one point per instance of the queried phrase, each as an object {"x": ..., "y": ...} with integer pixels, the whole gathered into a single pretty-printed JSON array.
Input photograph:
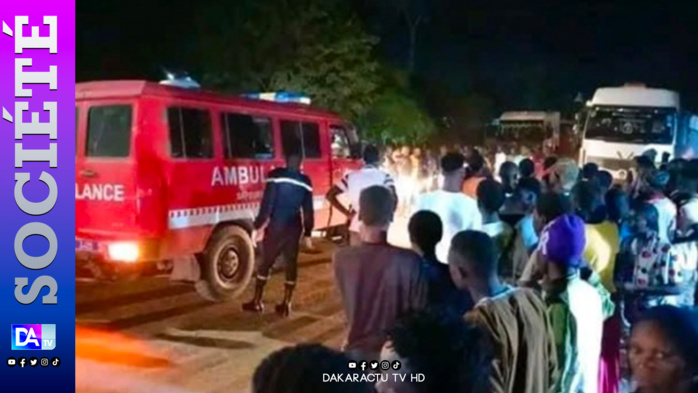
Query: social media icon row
[
  {"x": 33, "y": 362},
  {"x": 384, "y": 365}
]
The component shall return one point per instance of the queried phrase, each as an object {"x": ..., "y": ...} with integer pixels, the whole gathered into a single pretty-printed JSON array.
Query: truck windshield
[
  {"x": 523, "y": 131},
  {"x": 631, "y": 125}
]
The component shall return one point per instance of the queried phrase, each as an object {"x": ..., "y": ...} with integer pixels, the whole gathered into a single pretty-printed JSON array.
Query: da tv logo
[{"x": 33, "y": 337}]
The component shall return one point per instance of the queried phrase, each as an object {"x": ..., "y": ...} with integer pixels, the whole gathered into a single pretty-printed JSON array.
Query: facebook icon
[{"x": 33, "y": 337}]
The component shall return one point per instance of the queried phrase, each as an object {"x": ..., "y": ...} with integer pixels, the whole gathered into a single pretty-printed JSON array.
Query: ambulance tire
[{"x": 227, "y": 242}]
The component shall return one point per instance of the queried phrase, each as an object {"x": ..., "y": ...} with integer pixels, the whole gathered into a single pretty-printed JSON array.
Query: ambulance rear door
[{"x": 105, "y": 195}]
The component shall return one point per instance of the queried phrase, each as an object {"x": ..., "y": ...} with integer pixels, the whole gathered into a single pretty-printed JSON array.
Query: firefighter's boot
[
  {"x": 284, "y": 309},
  {"x": 256, "y": 305}
]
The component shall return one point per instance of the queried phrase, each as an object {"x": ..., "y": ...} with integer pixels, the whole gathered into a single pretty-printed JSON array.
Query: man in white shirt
[
  {"x": 457, "y": 211},
  {"x": 353, "y": 183}
]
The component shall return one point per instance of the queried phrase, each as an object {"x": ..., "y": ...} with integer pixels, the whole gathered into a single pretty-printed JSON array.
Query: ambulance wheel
[{"x": 227, "y": 264}]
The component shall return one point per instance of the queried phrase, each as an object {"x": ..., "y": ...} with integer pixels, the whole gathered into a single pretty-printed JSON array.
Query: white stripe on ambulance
[
  {"x": 212, "y": 215},
  {"x": 100, "y": 192}
]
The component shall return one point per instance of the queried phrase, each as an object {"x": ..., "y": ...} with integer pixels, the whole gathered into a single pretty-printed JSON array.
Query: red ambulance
[{"x": 165, "y": 173}]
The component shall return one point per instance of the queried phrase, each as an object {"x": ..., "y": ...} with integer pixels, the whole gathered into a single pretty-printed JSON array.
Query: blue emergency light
[
  {"x": 182, "y": 80},
  {"x": 280, "y": 96}
]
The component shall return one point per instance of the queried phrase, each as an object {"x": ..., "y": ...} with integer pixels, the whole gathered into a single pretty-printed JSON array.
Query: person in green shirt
[{"x": 574, "y": 306}]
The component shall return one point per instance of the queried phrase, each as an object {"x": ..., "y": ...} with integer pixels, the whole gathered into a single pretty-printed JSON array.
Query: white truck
[
  {"x": 531, "y": 129},
  {"x": 620, "y": 123}
]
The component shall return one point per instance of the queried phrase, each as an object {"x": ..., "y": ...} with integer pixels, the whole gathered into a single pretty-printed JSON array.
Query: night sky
[{"x": 467, "y": 45}]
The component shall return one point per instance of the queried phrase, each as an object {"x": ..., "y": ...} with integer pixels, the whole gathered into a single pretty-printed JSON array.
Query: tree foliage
[
  {"x": 397, "y": 116},
  {"x": 311, "y": 46}
]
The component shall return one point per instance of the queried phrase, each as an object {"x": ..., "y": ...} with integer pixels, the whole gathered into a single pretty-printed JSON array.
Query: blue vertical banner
[{"x": 37, "y": 130}]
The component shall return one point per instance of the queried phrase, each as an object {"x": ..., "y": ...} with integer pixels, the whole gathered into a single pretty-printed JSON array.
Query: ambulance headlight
[{"x": 123, "y": 251}]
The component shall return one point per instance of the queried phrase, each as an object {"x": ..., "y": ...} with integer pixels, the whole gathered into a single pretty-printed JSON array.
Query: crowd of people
[
  {"x": 520, "y": 279},
  {"x": 416, "y": 170}
]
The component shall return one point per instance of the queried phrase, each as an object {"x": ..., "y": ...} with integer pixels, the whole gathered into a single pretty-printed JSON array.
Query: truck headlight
[{"x": 123, "y": 252}]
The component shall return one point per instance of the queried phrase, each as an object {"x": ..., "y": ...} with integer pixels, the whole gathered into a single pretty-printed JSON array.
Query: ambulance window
[
  {"x": 247, "y": 136},
  {"x": 311, "y": 140},
  {"x": 190, "y": 133},
  {"x": 290, "y": 136},
  {"x": 108, "y": 131},
  {"x": 340, "y": 142}
]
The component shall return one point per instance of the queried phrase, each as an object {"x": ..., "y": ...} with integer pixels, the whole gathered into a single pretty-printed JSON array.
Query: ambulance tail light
[{"x": 127, "y": 252}]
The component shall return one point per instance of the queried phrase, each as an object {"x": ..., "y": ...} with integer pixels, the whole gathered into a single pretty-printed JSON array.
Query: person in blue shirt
[{"x": 285, "y": 215}]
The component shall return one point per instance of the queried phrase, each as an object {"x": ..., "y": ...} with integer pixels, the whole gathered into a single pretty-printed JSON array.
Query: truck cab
[
  {"x": 621, "y": 123},
  {"x": 533, "y": 130}
]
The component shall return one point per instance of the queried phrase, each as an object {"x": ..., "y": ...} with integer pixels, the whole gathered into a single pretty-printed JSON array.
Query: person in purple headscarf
[{"x": 574, "y": 306}]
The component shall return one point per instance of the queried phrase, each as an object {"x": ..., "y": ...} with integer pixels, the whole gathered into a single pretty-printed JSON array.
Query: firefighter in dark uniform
[{"x": 285, "y": 216}]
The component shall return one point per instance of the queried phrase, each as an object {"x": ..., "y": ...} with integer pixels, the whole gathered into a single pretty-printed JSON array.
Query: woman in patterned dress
[{"x": 649, "y": 271}]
